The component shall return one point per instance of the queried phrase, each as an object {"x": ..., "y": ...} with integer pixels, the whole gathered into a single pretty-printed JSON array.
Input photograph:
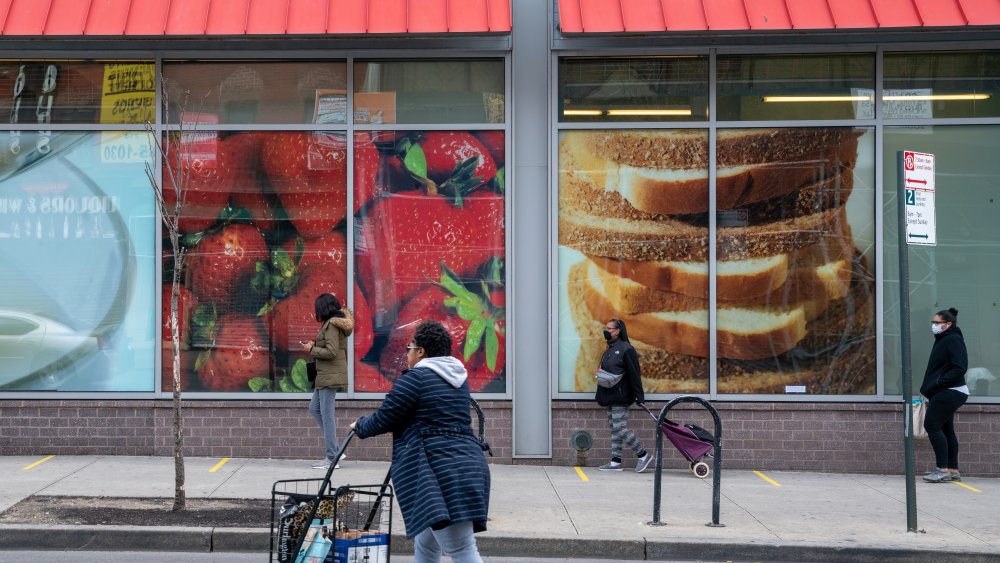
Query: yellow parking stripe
[
  {"x": 581, "y": 474},
  {"x": 973, "y": 489},
  {"x": 768, "y": 479},
  {"x": 37, "y": 463},
  {"x": 219, "y": 465}
]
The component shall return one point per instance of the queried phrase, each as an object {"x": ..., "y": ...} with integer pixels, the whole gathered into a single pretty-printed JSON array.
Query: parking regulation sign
[{"x": 918, "y": 189}]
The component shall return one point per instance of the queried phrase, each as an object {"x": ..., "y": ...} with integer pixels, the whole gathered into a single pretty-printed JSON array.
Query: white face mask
[{"x": 936, "y": 328}]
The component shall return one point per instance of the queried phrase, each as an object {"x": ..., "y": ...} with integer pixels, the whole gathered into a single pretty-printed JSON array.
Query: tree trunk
[{"x": 178, "y": 427}]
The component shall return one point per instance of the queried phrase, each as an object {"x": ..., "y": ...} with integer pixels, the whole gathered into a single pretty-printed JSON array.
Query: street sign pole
[{"x": 904, "y": 335}]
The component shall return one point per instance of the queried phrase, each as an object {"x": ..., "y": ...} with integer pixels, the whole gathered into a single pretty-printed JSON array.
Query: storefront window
[
  {"x": 77, "y": 262},
  {"x": 257, "y": 92},
  {"x": 265, "y": 231},
  {"x": 941, "y": 84},
  {"x": 788, "y": 87},
  {"x": 429, "y": 244},
  {"x": 963, "y": 269},
  {"x": 795, "y": 291},
  {"x": 633, "y": 240},
  {"x": 46, "y": 92},
  {"x": 633, "y": 89},
  {"x": 429, "y": 91}
]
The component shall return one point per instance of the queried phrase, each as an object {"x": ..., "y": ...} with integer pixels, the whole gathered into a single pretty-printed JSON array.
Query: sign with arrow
[{"x": 917, "y": 171}]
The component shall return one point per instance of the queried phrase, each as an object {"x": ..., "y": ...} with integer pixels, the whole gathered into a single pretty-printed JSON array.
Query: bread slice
[
  {"x": 848, "y": 366},
  {"x": 744, "y": 333},
  {"x": 668, "y": 239},
  {"x": 683, "y": 191}
]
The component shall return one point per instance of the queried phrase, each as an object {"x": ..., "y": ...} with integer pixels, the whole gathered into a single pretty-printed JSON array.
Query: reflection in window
[
  {"x": 824, "y": 86},
  {"x": 941, "y": 84},
  {"x": 420, "y": 91},
  {"x": 257, "y": 92},
  {"x": 633, "y": 89},
  {"x": 963, "y": 269}
]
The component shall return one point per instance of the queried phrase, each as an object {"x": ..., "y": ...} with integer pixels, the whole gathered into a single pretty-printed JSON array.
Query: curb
[{"x": 257, "y": 540}]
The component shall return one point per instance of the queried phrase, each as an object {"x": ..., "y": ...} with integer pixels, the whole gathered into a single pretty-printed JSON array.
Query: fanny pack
[{"x": 608, "y": 379}]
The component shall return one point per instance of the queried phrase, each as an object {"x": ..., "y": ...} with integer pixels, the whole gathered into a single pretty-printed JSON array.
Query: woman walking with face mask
[
  {"x": 620, "y": 361},
  {"x": 945, "y": 388}
]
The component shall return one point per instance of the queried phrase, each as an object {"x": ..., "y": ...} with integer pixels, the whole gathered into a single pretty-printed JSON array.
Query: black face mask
[{"x": 607, "y": 335}]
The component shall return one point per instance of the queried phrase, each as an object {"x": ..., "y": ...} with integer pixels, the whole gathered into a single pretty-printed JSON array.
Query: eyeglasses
[
  {"x": 412, "y": 347},
  {"x": 939, "y": 322}
]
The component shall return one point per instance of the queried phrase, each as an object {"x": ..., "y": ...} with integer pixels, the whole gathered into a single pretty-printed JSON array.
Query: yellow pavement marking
[
  {"x": 218, "y": 465},
  {"x": 581, "y": 474},
  {"x": 973, "y": 489},
  {"x": 37, "y": 463},
  {"x": 768, "y": 479}
]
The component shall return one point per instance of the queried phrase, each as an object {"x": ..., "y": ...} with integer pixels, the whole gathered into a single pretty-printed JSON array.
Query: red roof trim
[
  {"x": 255, "y": 17},
  {"x": 651, "y": 16}
]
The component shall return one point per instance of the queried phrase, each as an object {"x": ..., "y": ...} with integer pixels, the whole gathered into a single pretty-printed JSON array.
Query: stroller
[{"x": 696, "y": 444}]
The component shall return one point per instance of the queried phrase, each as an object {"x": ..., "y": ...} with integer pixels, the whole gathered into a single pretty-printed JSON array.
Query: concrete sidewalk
[{"x": 544, "y": 511}]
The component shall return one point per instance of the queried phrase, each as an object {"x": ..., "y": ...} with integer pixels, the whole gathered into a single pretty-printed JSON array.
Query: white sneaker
[
  {"x": 643, "y": 462},
  {"x": 610, "y": 466},
  {"x": 325, "y": 464}
]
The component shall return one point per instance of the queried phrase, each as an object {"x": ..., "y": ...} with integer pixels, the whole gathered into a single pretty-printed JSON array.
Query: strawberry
[
  {"x": 201, "y": 169},
  {"x": 366, "y": 167},
  {"x": 476, "y": 326},
  {"x": 409, "y": 234},
  {"x": 450, "y": 153},
  {"x": 247, "y": 192},
  {"x": 238, "y": 354},
  {"x": 223, "y": 263},
  {"x": 494, "y": 142},
  {"x": 367, "y": 379},
  {"x": 186, "y": 303},
  {"x": 308, "y": 172},
  {"x": 329, "y": 250}
]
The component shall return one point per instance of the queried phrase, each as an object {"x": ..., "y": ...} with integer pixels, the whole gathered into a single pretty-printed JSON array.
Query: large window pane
[
  {"x": 257, "y": 92},
  {"x": 942, "y": 84},
  {"x": 633, "y": 89},
  {"x": 963, "y": 270},
  {"x": 77, "y": 92},
  {"x": 439, "y": 91},
  {"x": 265, "y": 233},
  {"x": 429, "y": 243},
  {"x": 76, "y": 263},
  {"x": 824, "y": 86},
  {"x": 795, "y": 277},
  {"x": 633, "y": 245}
]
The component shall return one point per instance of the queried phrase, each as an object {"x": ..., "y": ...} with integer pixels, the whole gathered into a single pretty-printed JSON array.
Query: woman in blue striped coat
[{"x": 439, "y": 473}]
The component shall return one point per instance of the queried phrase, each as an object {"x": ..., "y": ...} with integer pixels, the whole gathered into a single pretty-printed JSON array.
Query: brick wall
[{"x": 838, "y": 437}]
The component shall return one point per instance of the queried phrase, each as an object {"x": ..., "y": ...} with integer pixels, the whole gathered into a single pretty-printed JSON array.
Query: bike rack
[{"x": 716, "y": 464}]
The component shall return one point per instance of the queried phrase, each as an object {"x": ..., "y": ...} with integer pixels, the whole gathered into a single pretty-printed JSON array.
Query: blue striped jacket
[{"x": 439, "y": 473}]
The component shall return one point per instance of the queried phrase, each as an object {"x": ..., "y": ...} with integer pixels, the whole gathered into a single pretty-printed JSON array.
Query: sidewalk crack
[
  {"x": 563, "y": 504},
  {"x": 226, "y": 480},
  {"x": 723, "y": 495},
  {"x": 70, "y": 474}
]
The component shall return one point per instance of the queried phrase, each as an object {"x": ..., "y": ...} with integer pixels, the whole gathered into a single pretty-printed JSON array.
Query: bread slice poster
[{"x": 794, "y": 264}]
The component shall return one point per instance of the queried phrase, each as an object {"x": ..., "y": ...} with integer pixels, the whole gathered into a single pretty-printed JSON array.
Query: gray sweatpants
[
  {"x": 322, "y": 408},
  {"x": 618, "y": 421}
]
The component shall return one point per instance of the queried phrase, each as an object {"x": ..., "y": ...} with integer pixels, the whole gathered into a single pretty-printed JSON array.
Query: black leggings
[{"x": 940, "y": 425}]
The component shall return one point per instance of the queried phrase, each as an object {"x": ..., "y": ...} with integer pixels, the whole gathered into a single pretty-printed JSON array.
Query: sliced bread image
[
  {"x": 845, "y": 366},
  {"x": 684, "y": 190},
  {"x": 742, "y": 332}
]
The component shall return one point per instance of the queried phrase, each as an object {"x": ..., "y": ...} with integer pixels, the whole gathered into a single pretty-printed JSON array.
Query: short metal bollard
[{"x": 716, "y": 465}]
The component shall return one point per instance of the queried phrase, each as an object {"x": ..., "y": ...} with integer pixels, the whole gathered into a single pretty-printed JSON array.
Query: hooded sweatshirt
[
  {"x": 448, "y": 367},
  {"x": 947, "y": 363},
  {"x": 330, "y": 351}
]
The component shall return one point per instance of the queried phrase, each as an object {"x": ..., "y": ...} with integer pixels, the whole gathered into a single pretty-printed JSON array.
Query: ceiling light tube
[
  {"x": 649, "y": 111},
  {"x": 938, "y": 97},
  {"x": 582, "y": 112},
  {"x": 817, "y": 98}
]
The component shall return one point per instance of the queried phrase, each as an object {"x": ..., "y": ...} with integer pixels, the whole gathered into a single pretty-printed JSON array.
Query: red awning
[
  {"x": 252, "y": 17},
  {"x": 631, "y": 16}
]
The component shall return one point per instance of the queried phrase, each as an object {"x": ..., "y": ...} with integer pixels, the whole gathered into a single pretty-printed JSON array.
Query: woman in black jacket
[
  {"x": 621, "y": 359},
  {"x": 945, "y": 388}
]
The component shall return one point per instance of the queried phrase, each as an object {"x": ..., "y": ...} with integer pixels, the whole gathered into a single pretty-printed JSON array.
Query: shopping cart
[
  {"x": 310, "y": 519},
  {"x": 693, "y": 442}
]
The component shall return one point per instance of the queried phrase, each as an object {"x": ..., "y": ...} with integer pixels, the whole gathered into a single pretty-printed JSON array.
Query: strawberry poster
[
  {"x": 429, "y": 245},
  {"x": 264, "y": 231}
]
